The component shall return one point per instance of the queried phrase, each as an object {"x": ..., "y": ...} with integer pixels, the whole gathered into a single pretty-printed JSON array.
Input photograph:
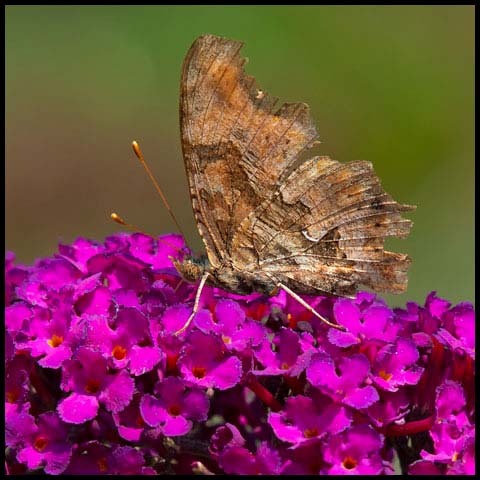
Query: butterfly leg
[
  {"x": 195, "y": 305},
  {"x": 308, "y": 307}
]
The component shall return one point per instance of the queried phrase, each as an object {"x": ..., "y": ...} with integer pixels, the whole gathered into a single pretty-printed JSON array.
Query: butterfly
[{"x": 270, "y": 219}]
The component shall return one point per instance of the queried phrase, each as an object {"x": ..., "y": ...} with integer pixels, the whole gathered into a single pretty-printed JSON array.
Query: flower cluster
[{"x": 97, "y": 382}]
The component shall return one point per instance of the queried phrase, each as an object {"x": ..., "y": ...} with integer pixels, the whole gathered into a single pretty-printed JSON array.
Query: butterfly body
[
  {"x": 267, "y": 216},
  {"x": 226, "y": 277}
]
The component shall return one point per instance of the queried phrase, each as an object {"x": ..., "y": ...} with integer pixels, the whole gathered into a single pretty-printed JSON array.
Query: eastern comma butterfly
[{"x": 268, "y": 219}]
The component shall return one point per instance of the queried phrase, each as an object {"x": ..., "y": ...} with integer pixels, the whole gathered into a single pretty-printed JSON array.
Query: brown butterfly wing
[
  {"x": 324, "y": 231},
  {"x": 319, "y": 227},
  {"x": 235, "y": 146}
]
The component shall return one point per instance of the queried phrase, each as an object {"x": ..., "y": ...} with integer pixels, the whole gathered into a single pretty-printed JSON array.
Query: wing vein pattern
[{"x": 317, "y": 225}]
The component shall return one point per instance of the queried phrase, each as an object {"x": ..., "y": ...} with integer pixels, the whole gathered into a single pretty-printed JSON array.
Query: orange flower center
[
  {"x": 310, "y": 432},
  {"x": 284, "y": 366},
  {"x": 226, "y": 340},
  {"x": 349, "y": 463},
  {"x": 386, "y": 376},
  {"x": 13, "y": 395},
  {"x": 199, "y": 372},
  {"x": 55, "y": 341},
  {"x": 40, "y": 443},
  {"x": 174, "y": 410},
  {"x": 92, "y": 386},
  {"x": 119, "y": 352},
  {"x": 102, "y": 464}
]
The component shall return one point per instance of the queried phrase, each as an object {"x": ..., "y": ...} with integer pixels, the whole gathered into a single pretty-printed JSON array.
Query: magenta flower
[
  {"x": 89, "y": 458},
  {"x": 395, "y": 365},
  {"x": 205, "y": 363},
  {"x": 304, "y": 459},
  {"x": 459, "y": 330},
  {"x": 287, "y": 354},
  {"x": 226, "y": 436},
  {"x": 373, "y": 323},
  {"x": 47, "y": 445},
  {"x": 174, "y": 407},
  {"x": 129, "y": 422},
  {"x": 87, "y": 377},
  {"x": 453, "y": 434},
  {"x": 306, "y": 418},
  {"x": 391, "y": 407},
  {"x": 97, "y": 382},
  {"x": 51, "y": 341},
  {"x": 17, "y": 383},
  {"x": 128, "y": 461},
  {"x": 126, "y": 344},
  {"x": 347, "y": 386},
  {"x": 231, "y": 325},
  {"x": 19, "y": 425},
  {"x": 234, "y": 458},
  {"x": 355, "y": 452}
]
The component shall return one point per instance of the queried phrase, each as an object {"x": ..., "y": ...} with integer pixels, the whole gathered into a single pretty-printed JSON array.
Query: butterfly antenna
[
  {"x": 118, "y": 219},
  {"x": 138, "y": 153}
]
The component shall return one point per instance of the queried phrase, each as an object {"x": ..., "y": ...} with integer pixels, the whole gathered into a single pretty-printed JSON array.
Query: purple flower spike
[
  {"x": 98, "y": 382},
  {"x": 304, "y": 419},
  {"x": 346, "y": 386},
  {"x": 355, "y": 452},
  {"x": 205, "y": 363},
  {"x": 47, "y": 446},
  {"x": 174, "y": 408}
]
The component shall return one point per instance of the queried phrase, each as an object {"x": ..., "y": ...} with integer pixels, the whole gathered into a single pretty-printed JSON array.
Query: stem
[
  {"x": 410, "y": 428},
  {"x": 262, "y": 393}
]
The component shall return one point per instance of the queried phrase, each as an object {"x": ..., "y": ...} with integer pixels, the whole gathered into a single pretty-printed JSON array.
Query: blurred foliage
[{"x": 389, "y": 84}]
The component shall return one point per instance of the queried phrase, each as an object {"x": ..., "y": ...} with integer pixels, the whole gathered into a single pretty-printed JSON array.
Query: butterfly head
[{"x": 191, "y": 268}]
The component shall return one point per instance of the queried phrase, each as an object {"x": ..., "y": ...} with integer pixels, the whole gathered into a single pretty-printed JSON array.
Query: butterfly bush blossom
[{"x": 97, "y": 382}]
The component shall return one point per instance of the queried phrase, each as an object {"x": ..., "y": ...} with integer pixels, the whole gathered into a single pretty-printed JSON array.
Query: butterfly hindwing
[{"x": 324, "y": 230}]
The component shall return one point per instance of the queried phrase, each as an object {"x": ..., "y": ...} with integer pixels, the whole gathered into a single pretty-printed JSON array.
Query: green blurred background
[{"x": 389, "y": 84}]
